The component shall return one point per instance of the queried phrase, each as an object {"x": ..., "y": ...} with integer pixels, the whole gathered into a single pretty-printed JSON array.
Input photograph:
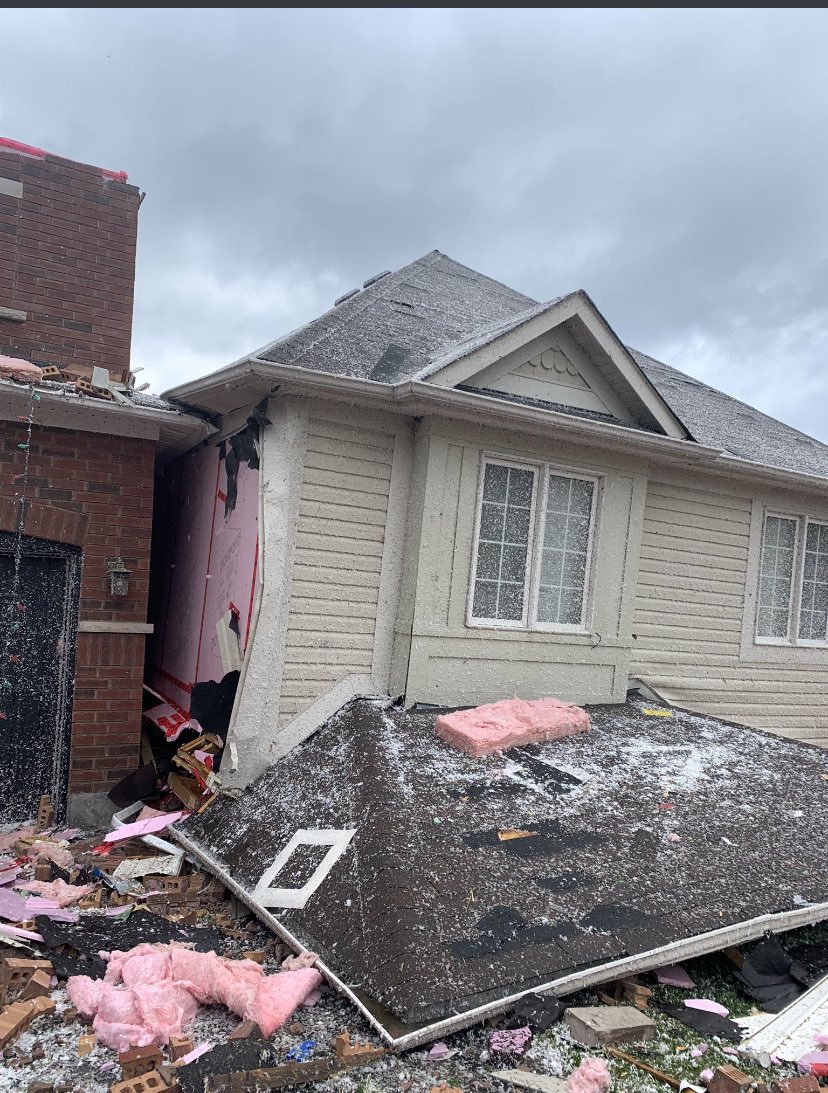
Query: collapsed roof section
[{"x": 438, "y": 887}]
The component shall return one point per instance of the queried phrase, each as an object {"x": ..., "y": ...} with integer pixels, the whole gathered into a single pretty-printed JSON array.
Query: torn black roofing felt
[
  {"x": 649, "y": 831},
  {"x": 436, "y": 310}
]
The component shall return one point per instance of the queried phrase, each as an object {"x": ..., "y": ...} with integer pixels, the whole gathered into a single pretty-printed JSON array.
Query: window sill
[
  {"x": 501, "y": 627},
  {"x": 784, "y": 653}
]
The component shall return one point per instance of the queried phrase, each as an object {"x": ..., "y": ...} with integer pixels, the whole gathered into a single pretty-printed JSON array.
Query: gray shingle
[
  {"x": 714, "y": 418},
  {"x": 390, "y": 330},
  {"x": 409, "y": 323}
]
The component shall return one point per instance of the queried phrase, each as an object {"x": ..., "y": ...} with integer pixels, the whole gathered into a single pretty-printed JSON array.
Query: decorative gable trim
[{"x": 616, "y": 376}]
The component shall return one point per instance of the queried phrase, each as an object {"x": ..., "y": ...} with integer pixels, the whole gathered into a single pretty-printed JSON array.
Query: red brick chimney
[{"x": 67, "y": 261}]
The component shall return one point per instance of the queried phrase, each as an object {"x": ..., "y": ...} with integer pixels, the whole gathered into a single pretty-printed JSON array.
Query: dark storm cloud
[{"x": 672, "y": 164}]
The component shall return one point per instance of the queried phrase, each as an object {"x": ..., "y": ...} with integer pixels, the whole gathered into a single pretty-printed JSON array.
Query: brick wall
[
  {"x": 110, "y": 479},
  {"x": 67, "y": 260}
]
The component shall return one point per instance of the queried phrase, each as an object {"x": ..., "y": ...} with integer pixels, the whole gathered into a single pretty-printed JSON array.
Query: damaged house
[
  {"x": 444, "y": 490},
  {"x": 77, "y": 462}
]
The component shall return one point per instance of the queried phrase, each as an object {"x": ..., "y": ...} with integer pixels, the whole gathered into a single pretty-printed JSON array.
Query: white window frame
[
  {"x": 537, "y": 524},
  {"x": 792, "y": 640},
  {"x": 511, "y": 624},
  {"x": 579, "y": 627}
]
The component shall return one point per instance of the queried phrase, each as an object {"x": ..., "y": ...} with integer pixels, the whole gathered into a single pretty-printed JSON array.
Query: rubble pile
[{"x": 126, "y": 969}]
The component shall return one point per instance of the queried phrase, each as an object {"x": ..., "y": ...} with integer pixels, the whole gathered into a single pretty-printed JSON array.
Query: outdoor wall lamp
[{"x": 118, "y": 576}]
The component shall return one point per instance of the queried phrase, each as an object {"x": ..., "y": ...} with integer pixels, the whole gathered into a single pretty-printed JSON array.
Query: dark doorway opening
[{"x": 39, "y": 595}]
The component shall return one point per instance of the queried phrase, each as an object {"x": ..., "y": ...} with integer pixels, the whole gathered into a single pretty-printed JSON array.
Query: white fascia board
[{"x": 416, "y": 397}]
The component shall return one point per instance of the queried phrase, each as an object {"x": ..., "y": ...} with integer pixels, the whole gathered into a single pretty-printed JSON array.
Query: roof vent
[
  {"x": 347, "y": 296},
  {"x": 377, "y": 277}
]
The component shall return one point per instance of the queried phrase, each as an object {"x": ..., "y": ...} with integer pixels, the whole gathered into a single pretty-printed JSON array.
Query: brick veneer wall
[
  {"x": 67, "y": 259},
  {"x": 110, "y": 480}
]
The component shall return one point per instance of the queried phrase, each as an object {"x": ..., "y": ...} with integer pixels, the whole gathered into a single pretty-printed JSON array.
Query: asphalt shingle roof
[
  {"x": 408, "y": 324},
  {"x": 429, "y": 912},
  {"x": 720, "y": 421},
  {"x": 390, "y": 331}
]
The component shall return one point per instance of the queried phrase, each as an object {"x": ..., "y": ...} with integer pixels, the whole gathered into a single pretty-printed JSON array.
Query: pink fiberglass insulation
[
  {"x": 17, "y": 368},
  {"x": 590, "y": 1077},
  {"x": 61, "y": 857},
  {"x": 490, "y": 729},
  {"x": 125, "y": 1018},
  {"x": 152, "y": 992},
  {"x": 62, "y": 893}
]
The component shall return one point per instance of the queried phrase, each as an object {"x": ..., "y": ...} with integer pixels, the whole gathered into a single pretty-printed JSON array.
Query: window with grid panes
[
  {"x": 792, "y": 601},
  {"x": 533, "y": 547}
]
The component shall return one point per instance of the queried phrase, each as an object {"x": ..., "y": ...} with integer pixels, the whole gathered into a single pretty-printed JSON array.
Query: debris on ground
[
  {"x": 163, "y": 983},
  {"x": 593, "y": 1026}
]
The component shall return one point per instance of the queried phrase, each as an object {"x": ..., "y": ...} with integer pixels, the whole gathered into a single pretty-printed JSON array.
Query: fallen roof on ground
[{"x": 647, "y": 840}]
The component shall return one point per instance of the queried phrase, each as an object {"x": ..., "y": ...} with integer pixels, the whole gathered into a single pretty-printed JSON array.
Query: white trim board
[
  {"x": 790, "y": 1034},
  {"x": 269, "y": 896},
  {"x": 252, "y": 740}
]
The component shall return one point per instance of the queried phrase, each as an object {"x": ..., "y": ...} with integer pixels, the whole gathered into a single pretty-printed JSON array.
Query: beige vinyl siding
[
  {"x": 452, "y": 661},
  {"x": 337, "y": 560},
  {"x": 690, "y": 613}
]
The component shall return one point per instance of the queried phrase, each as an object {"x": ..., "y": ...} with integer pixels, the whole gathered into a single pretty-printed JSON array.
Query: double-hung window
[
  {"x": 792, "y": 604},
  {"x": 533, "y": 547}
]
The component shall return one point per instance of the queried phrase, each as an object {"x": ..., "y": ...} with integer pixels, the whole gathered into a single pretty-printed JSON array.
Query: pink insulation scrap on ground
[
  {"x": 152, "y": 992},
  {"x": 9, "y": 838},
  {"x": 590, "y": 1077},
  {"x": 674, "y": 975},
  {"x": 52, "y": 852},
  {"x": 143, "y": 827},
  {"x": 511, "y": 723},
  {"x": 63, "y": 894}
]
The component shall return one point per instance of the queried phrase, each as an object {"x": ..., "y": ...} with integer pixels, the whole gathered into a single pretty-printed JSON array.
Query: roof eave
[
  {"x": 172, "y": 432},
  {"x": 417, "y": 397}
]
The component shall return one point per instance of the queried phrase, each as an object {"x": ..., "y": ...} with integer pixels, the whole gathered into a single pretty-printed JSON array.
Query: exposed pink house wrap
[{"x": 487, "y": 730}]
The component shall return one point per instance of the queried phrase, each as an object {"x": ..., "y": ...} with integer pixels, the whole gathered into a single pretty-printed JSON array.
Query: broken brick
[
  {"x": 805, "y": 1083},
  {"x": 14, "y": 1020},
  {"x": 356, "y": 1054},
  {"x": 247, "y": 1030},
  {"x": 86, "y": 1044},
  {"x": 258, "y": 956},
  {"x": 149, "y": 1082},
  {"x": 138, "y": 1061},
  {"x": 15, "y": 973},
  {"x": 729, "y": 1079},
  {"x": 38, "y": 985},
  {"x": 593, "y": 1026},
  {"x": 45, "y": 813},
  {"x": 179, "y": 1046}
]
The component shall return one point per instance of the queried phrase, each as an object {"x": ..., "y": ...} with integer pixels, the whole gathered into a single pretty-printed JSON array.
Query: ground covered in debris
[
  {"x": 60, "y": 1052},
  {"x": 469, "y": 879}
]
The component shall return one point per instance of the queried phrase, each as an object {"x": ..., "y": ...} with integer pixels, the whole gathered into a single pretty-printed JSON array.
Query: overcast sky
[{"x": 674, "y": 164}]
